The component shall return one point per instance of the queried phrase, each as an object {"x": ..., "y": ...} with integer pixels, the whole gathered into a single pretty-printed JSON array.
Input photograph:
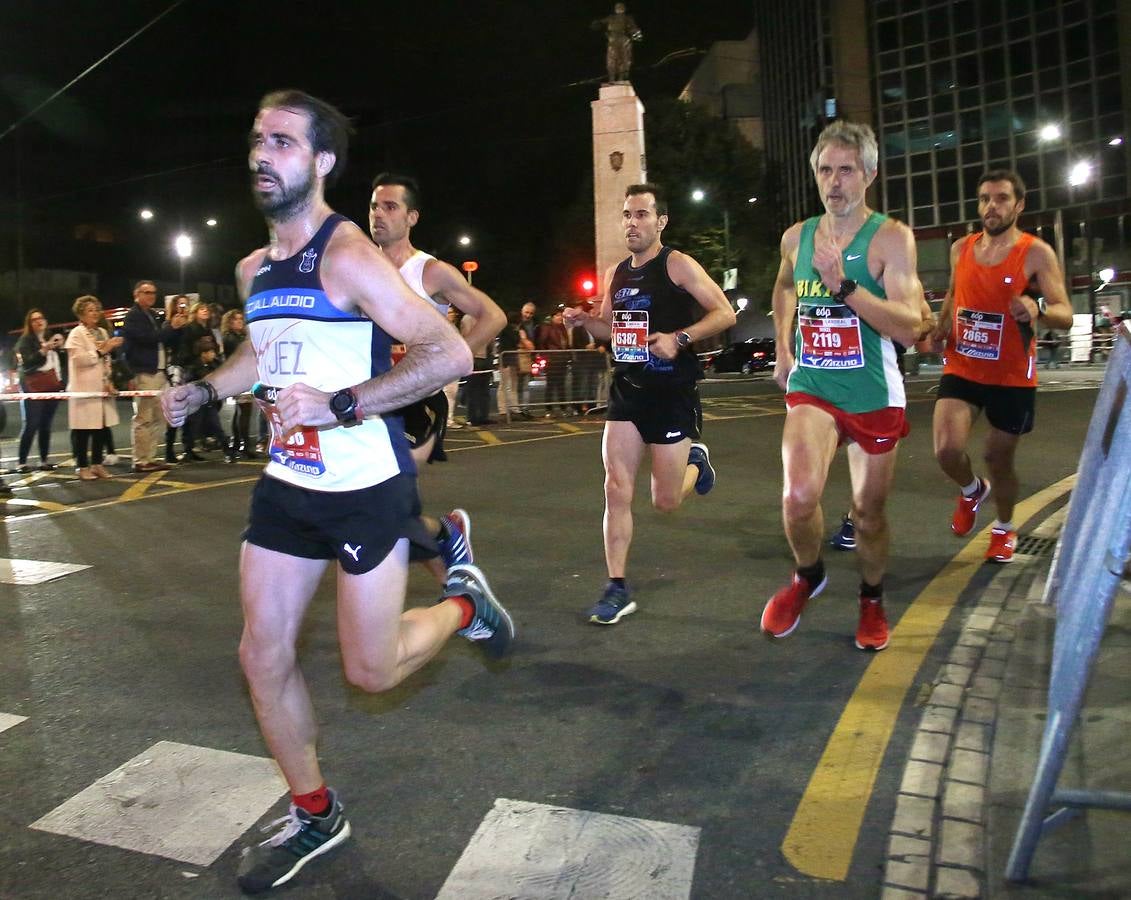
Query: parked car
[{"x": 753, "y": 355}]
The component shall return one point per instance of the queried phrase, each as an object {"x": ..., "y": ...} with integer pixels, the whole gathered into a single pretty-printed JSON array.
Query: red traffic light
[
  {"x": 587, "y": 285},
  {"x": 470, "y": 266}
]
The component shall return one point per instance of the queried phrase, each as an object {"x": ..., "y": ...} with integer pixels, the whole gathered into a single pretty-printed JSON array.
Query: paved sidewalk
[{"x": 973, "y": 760}]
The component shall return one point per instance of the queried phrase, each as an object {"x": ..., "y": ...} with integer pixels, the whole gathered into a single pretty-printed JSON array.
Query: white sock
[
  {"x": 1003, "y": 526},
  {"x": 972, "y": 488}
]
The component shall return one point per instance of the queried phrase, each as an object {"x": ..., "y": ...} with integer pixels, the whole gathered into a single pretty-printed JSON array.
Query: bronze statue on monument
[{"x": 620, "y": 32}]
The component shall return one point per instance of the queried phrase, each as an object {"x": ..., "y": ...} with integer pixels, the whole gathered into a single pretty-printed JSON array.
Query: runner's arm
[
  {"x": 435, "y": 353},
  {"x": 784, "y": 300},
  {"x": 693, "y": 278},
  {"x": 1058, "y": 308},
  {"x": 898, "y": 317},
  {"x": 443, "y": 281}
]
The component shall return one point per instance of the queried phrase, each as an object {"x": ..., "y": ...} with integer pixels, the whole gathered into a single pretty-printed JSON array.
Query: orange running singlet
[{"x": 986, "y": 343}]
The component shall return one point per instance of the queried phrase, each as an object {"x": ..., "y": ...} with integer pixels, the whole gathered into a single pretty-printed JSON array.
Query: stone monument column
[{"x": 618, "y": 161}]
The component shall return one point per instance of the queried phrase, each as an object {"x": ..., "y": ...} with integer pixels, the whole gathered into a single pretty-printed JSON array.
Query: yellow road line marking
[
  {"x": 487, "y": 438},
  {"x": 570, "y": 429},
  {"x": 114, "y": 501},
  {"x": 140, "y": 487},
  {"x": 822, "y": 837}
]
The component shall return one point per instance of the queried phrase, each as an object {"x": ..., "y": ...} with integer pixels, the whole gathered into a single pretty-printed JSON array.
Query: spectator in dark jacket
[{"x": 147, "y": 342}]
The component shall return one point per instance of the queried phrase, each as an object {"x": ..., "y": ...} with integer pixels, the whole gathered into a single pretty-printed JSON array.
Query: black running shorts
[
  {"x": 357, "y": 528},
  {"x": 1008, "y": 409},
  {"x": 425, "y": 419},
  {"x": 663, "y": 415}
]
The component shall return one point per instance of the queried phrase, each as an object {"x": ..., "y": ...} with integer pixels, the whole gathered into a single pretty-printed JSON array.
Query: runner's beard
[
  {"x": 1003, "y": 225},
  {"x": 287, "y": 202}
]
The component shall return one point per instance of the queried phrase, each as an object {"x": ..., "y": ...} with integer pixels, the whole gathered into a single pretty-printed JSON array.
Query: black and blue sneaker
[
  {"x": 613, "y": 606},
  {"x": 455, "y": 539},
  {"x": 844, "y": 538},
  {"x": 700, "y": 457},
  {"x": 491, "y": 626},
  {"x": 303, "y": 837}
]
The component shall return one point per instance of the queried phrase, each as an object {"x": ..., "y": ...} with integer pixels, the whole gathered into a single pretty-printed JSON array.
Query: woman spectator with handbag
[
  {"x": 88, "y": 371},
  {"x": 40, "y": 369}
]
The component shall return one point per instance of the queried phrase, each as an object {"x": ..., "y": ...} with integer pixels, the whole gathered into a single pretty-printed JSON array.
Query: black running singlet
[{"x": 646, "y": 301}]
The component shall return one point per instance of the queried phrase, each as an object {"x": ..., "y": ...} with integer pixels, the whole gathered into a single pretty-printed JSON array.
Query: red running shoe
[
  {"x": 872, "y": 632},
  {"x": 1002, "y": 545},
  {"x": 783, "y": 613},
  {"x": 966, "y": 510}
]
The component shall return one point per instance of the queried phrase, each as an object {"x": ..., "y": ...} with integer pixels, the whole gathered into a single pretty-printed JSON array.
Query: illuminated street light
[
  {"x": 697, "y": 195},
  {"x": 211, "y": 223},
  {"x": 145, "y": 215},
  {"x": 1106, "y": 275},
  {"x": 182, "y": 246},
  {"x": 1050, "y": 132},
  {"x": 752, "y": 200},
  {"x": 1080, "y": 173},
  {"x": 1116, "y": 141},
  {"x": 464, "y": 240}
]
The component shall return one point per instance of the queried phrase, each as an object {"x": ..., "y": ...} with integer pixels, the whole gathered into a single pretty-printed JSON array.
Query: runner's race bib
[
  {"x": 978, "y": 334},
  {"x": 829, "y": 341},
  {"x": 630, "y": 335},
  {"x": 299, "y": 450}
]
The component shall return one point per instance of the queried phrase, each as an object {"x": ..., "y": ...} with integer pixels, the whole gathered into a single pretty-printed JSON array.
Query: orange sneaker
[
  {"x": 966, "y": 510},
  {"x": 872, "y": 632},
  {"x": 783, "y": 612},
  {"x": 1002, "y": 545}
]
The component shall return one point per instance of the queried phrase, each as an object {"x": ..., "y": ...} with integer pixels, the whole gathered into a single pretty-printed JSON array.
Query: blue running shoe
[
  {"x": 844, "y": 538},
  {"x": 492, "y": 626},
  {"x": 455, "y": 542},
  {"x": 700, "y": 456},
  {"x": 613, "y": 606},
  {"x": 303, "y": 837}
]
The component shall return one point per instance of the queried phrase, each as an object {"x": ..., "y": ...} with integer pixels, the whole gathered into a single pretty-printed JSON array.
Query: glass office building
[{"x": 953, "y": 88}]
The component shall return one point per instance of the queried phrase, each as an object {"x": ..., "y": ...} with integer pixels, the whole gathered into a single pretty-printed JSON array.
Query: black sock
[
  {"x": 872, "y": 591},
  {"x": 813, "y": 574},
  {"x": 619, "y": 582}
]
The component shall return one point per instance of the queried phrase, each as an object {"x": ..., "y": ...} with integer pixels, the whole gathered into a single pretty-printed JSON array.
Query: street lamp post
[
  {"x": 698, "y": 196},
  {"x": 1079, "y": 174}
]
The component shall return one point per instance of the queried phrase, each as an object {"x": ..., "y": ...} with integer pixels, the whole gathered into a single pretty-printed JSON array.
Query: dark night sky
[{"x": 473, "y": 97}]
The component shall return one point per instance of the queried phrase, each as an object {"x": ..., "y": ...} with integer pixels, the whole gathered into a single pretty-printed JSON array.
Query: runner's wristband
[{"x": 210, "y": 390}]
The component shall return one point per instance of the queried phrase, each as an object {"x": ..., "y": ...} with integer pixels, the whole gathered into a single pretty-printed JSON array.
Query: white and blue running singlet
[{"x": 299, "y": 336}]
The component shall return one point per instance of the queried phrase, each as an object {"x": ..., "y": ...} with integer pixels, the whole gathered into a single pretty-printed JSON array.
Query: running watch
[
  {"x": 848, "y": 286},
  {"x": 345, "y": 407}
]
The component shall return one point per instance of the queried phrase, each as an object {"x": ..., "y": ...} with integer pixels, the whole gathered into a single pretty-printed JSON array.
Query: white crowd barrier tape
[{"x": 77, "y": 395}]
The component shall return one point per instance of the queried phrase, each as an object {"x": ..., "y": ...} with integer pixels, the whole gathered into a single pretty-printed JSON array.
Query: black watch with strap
[
  {"x": 847, "y": 287},
  {"x": 345, "y": 407}
]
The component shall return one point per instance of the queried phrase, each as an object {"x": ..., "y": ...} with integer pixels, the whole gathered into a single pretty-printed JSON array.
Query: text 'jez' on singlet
[
  {"x": 646, "y": 301},
  {"x": 986, "y": 343},
  {"x": 299, "y": 336},
  {"x": 837, "y": 355}
]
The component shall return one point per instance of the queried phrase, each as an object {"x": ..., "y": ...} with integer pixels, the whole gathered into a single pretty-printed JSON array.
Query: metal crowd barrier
[
  {"x": 576, "y": 378},
  {"x": 1091, "y": 557}
]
